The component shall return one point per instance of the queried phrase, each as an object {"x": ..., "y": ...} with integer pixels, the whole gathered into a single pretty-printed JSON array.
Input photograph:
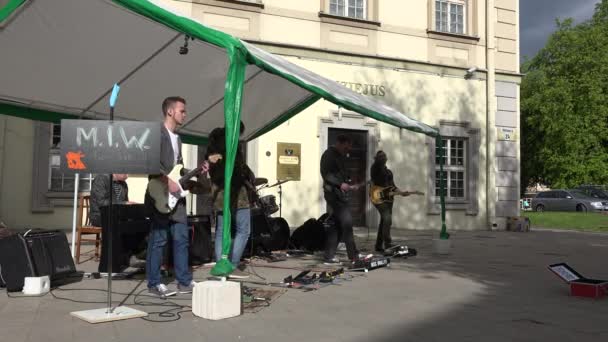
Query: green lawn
[{"x": 568, "y": 220}]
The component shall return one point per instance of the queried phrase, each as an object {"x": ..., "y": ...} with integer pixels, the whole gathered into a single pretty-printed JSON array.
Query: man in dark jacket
[
  {"x": 100, "y": 194},
  {"x": 335, "y": 190},
  {"x": 241, "y": 197}
]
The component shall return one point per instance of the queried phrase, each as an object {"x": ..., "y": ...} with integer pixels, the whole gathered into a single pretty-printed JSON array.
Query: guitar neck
[{"x": 190, "y": 174}]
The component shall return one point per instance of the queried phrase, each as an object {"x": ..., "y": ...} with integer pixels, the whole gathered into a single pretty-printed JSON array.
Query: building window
[
  {"x": 454, "y": 169},
  {"x": 59, "y": 182},
  {"x": 450, "y": 16},
  {"x": 348, "y": 8}
]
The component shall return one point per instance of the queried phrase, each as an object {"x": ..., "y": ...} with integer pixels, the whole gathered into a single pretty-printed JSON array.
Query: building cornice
[{"x": 369, "y": 60}]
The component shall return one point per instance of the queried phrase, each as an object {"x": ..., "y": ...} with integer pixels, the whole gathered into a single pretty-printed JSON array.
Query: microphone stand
[
  {"x": 280, "y": 200},
  {"x": 110, "y": 227}
]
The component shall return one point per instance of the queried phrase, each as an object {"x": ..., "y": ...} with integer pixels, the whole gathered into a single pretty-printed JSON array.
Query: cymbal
[
  {"x": 278, "y": 183},
  {"x": 260, "y": 181}
]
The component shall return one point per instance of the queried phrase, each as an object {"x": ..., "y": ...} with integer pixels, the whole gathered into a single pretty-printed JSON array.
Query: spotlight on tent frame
[{"x": 183, "y": 50}]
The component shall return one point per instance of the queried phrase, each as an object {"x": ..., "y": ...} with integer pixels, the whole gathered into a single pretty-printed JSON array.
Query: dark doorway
[{"x": 356, "y": 165}]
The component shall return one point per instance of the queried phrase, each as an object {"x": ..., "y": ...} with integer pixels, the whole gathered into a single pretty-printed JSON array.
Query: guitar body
[
  {"x": 165, "y": 202},
  {"x": 382, "y": 194}
]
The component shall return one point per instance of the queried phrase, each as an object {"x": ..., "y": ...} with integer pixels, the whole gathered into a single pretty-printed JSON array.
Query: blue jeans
[
  {"x": 243, "y": 229},
  {"x": 156, "y": 243}
]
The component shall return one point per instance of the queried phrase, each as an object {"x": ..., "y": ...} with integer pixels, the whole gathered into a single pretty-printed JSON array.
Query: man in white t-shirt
[{"x": 175, "y": 223}]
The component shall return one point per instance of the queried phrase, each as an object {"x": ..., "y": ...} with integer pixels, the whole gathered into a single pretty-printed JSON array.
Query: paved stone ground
[{"x": 493, "y": 287}]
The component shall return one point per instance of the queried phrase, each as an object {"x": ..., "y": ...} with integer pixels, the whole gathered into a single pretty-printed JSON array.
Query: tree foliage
[{"x": 564, "y": 106}]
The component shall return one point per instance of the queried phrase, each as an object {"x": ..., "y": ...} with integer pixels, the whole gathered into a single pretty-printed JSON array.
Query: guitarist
[
  {"x": 242, "y": 197},
  {"x": 335, "y": 190},
  {"x": 174, "y": 223},
  {"x": 382, "y": 176}
]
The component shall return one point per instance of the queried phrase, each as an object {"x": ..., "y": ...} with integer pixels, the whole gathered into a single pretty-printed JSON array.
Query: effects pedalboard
[
  {"x": 400, "y": 251},
  {"x": 370, "y": 263},
  {"x": 303, "y": 278}
]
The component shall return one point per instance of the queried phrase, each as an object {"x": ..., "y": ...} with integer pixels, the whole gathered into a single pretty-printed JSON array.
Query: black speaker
[
  {"x": 36, "y": 254},
  {"x": 267, "y": 234}
]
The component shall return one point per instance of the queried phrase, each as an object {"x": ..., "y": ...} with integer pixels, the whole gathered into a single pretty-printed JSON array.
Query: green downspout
[{"x": 439, "y": 142}]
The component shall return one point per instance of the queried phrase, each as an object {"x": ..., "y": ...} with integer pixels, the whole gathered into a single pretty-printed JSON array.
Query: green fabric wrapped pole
[
  {"x": 9, "y": 8},
  {"x": 232, "y": 119},
  {"x": 439, "y": 142}
]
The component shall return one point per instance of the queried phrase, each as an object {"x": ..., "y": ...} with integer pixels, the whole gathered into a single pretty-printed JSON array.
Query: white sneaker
[
  {"x": 136, "y": 263},
  {"x": 186, "y": 289},
  {"x": 162, "y": 291},
  {"x": 341, "y": 246}
]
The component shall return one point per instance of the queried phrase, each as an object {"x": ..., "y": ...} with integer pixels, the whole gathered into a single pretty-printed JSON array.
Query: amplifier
[{"x": 36, "y": 254}]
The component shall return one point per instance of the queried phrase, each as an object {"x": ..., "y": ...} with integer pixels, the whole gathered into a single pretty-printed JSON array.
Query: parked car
[
  {"x": 567, "y": 200},
  {"x": 596, "y": 191}
]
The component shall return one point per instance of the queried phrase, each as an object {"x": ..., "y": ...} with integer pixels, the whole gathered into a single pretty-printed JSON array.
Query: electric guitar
[
  {"x": 165, "y": 201},
  {"x": 383, "y": 194}
]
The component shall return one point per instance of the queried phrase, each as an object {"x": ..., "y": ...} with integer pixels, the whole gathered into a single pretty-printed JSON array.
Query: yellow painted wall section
[
  {"x": 411, "y": 14},
  {"x": 423, "y": 97},
  {"x": 290, "y": 31},
  {"x": 16, "y": 196},
  {"x": 296, "y": 5}
]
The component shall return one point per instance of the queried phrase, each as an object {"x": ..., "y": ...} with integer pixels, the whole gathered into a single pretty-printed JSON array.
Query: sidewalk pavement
[{"x": 494, "y": 286}]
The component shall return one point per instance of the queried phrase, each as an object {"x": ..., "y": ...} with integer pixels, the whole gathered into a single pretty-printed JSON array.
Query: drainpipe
[
  {"x": 491, "y": 196},
  {"x": 4, "y": 124}
]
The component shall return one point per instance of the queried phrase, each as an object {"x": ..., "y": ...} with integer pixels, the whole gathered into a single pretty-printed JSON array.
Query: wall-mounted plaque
[{"x": 288, "y": 161}]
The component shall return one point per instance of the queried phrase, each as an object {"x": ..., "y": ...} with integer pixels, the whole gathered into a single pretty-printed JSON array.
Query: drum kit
[
  {"x": 268, "y": 203},
  {"x": 268, "y": 233}
]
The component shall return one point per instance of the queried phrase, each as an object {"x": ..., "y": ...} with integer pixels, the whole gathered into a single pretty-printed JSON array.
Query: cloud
[{"x": 537, "y": 20}]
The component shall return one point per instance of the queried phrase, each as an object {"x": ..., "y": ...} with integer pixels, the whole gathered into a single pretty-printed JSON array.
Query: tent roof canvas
[{"x": 60, "y": 59}]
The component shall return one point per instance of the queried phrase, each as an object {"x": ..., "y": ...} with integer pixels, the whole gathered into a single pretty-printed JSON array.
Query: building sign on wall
[
  {"x": 507, "y": 134},
  {"x": 99, "y": 146},
  {"x": 288, "y": 161},
  {"x": 365, "y": 89}
]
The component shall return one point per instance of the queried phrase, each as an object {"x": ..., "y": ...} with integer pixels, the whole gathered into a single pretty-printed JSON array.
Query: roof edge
[
  {"x": 10, "y": 8},
  {"x": 37, "y": 114}
]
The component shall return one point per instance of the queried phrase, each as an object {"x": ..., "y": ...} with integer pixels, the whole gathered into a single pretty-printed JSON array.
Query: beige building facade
[{"x": 452, "y": 64}]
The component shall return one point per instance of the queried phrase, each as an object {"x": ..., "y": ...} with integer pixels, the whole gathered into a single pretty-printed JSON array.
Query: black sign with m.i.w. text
[{"x": 98, "y": 146}]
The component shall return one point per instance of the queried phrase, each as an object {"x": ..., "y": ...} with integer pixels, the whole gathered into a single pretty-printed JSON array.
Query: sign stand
[
  {"x": 74, "y": 214},
  {"x": 109, "y": 313}
]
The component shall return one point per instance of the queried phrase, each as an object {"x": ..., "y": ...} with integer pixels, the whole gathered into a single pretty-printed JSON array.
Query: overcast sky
[{"x": 537, "y": 19}]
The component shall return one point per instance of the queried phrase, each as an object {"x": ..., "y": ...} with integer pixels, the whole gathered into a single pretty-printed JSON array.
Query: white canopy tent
[{"x": 60, "y": 59}]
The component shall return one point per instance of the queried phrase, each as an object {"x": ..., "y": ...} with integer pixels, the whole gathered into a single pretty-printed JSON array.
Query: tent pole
[
  {"x": 74, "y": 214},
  {"x": 232, "y": 118}
]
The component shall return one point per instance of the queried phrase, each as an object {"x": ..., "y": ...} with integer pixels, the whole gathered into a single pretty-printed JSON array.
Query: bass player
[{"x": 383, "y": 192}]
